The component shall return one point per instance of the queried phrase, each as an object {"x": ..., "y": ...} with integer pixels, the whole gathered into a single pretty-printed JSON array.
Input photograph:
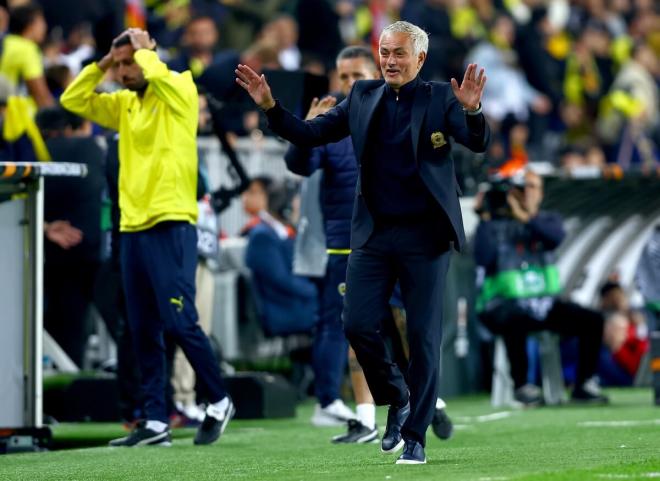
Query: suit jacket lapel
[
  {"x": 370, "y": 102},
  {"x": 420, "y": 104}
]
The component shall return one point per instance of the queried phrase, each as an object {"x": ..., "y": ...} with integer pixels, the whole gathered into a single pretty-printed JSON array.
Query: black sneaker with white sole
[
  {"x": 357, "y": 433},
  {"x": 392, "y": 440},
  {"x": 212, "y": 428},
  {"x": 442, "y": 425},
  {"x": 413, "y": 453},
  {"x": 142, "y": 436},
  {"x": 589, "y": 393}
]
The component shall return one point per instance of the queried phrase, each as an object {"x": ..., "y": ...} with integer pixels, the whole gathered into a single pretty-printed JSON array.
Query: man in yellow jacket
[{"x": 156, "y": 116}]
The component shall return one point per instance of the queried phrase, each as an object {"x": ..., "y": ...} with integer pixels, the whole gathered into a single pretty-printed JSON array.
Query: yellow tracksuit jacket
[{"x": 157, "y": 140}]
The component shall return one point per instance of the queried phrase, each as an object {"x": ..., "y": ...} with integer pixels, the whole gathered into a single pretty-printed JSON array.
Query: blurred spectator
[
  {"x": 58, "y": 78},
  {"x": 372, "y": 17},
  {"x": 444, "y": 50},
  {"x": 245, "y": 19},
  {"x": 283, "y": 33},
  {"x": 199, "y": 44},
  {"x": 255, "y": 201},
  {"x": 582, "y": 161},
  {"x": 104, "y": 18},
  {"x": 542, "y": 47},
  {"x": 519, "y": 285},
  {"x": 319, "y": 31},
  {"x": 72, "y": 51},
  {"x": 629, "y": 122},
  {"x": 625, "y": 337},
  {"x": 72, "y": 213},
  {"x": 219, "y": 81},
  {"x": 648, "y": 278},
  {"x": 507, "y": 92},
  {"x": 15, "y": 147},
  {"x": 166, "y": 20},
  {"x": 589, "y": 67},
  {"x": 21, "y": 60},
  {"x": 288, "y": 303},
  {"x": 4, "y": 17}
]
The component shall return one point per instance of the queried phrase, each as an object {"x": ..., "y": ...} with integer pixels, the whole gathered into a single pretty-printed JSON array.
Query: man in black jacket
[{"x": 406, "y": 214}]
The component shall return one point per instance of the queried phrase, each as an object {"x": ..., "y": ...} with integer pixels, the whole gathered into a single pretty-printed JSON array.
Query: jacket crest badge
[{"x": 438, "y": 139}]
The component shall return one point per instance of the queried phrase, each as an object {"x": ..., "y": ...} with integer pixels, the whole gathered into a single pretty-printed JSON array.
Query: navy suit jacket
[{"x": 436, "y": 115}]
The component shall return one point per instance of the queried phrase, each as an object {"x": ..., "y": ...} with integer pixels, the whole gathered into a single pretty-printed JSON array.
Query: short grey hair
[{"x": 419, "y": 38}]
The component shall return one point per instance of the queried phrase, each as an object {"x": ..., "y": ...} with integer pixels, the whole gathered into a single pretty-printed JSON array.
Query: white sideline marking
[
  {"x": 485, "y": 418},
  {"x": 628, "y": 476},
  {"x": 463, "y": 427},
  {"x": 494, "y": 478},
  {"x": 617, "y": 424}
]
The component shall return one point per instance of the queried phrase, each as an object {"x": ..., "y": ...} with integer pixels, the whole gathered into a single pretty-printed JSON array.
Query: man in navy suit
[{"x": 406, "y": 214}]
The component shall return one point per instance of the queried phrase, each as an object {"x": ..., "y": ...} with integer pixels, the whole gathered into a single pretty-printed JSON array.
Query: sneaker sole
[
  {"x": 158, "y": 440},
  {"x": 327, "y": 421},
  {"x": 367, "y": 438},
  {"x": 394, "y": 449},
  {"x": 154, "y": 441},
  {"x": 228, "y": 417},
  {"x": 409, "y": 461}
]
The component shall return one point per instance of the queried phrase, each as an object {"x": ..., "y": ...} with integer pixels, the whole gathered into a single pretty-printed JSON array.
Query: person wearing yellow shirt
[
  {"x": 156, "y": 117},
  {"x": 21, "y": 59}
]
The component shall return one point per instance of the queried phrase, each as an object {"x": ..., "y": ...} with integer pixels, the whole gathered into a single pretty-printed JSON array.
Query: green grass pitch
[{"x": 568, "y": 443}]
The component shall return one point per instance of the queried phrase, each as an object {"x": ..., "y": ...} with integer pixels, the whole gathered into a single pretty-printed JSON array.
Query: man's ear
[{"x": 420, "y": 59}]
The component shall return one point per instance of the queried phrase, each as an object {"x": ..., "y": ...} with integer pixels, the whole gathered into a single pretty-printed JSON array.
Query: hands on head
[
  {"x": 471, "y": 88},
  {"x": 138, "y": 38}
]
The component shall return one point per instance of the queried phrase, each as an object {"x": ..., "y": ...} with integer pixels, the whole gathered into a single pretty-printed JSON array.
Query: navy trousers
[
  {"x": 418, "y": 255},
  {"x": 158, "y": 267},
  {"x": 330, "y": 349}
]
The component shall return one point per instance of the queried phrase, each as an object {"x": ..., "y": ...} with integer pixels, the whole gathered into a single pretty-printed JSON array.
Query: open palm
[
  {"x": 471, "y": 88},
  {"x": 255, "y": 85}
]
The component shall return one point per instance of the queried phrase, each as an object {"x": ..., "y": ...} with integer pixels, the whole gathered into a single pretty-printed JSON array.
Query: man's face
[
  {"x": 615, "y": 300},
  {"x": 254, "y": 198},
  {"x": 533, "y": 192},
  {"x": 38, "y": 29},
  {"x": 398, "y": 62},
  {"x": 127, "y": 71},
  {"x": 201, "y": 35},
  {"x": 350, "y": 70}
]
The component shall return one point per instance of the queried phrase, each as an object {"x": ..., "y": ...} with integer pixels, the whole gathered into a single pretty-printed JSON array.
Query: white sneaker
[{"x": 334, "y": 414}]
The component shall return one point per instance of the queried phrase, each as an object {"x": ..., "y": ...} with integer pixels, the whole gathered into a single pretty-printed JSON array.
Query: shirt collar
[
  {"x": 279, "y": 228},
  {"x": 406, "y": 92}
]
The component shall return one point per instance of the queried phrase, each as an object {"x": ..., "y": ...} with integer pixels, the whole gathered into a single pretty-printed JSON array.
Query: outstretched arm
[{"x": 329, "y": 127}]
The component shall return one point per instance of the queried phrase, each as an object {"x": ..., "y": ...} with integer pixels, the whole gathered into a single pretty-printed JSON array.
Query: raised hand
[
  {"x": 319, "y": 107},
  {"x": 255, "y": 85},
  {"x": 471, "y": 88}
]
